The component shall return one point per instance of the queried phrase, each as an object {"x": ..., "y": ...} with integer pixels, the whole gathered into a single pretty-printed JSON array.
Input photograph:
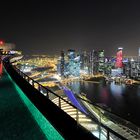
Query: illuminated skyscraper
[
  {"x": 91, "y": 61},
  {"x": 62, "y": 64},
  {"x": 95, "y": 62},
  {"x": 101, "y": 61},
  {"x": 82, "y": 61},
  {"x": 73, "y": 67},
  {"x": 119, "y": 58},
  {"x": 71, "y": 54},
  {"x": 84, "y": 58}
]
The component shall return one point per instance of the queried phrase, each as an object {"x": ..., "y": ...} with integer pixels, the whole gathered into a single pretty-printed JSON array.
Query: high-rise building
[
  {"x": 77, "y": 66},
  {"x": 69, "y": 66},
  {"x": 101, "y": 61},
  {"x": 135, "y": 69},
  {"x": 127, "y": 68},
  {"x": 82, "y": 61},
  {"x": 92, "y": 61},
  {"x": 89, "y": 62},
  {"x": 95, "y": 62},
  {"x": 139, "y": 52},
  {"x": 108, "y": 66},
  {"x": 132, "y": 68},
  {"x": 73, "y": 67},
  {"x": 84, "y": 58},
  {"x": 119, "y": 58},
  {"x": 71, "y": 54},
  {"x": 71, "y": 57},
  {"x": 62, "y": 63}
]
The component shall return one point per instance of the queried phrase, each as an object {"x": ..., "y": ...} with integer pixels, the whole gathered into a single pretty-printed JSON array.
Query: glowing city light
[
  {"x": 1, "y": 42},
  {"x": 119, "y": 58}
]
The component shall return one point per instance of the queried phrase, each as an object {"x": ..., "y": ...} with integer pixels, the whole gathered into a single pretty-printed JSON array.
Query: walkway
[{"x": 16, "y": 121}]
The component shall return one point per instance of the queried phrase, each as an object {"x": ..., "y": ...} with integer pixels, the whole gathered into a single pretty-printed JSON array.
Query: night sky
[{"x": 41, "y": 27}]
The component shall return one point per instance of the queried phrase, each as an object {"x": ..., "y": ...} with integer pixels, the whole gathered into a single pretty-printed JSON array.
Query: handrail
[
  {"x": 51, "y": 110},
  {"x": 47, "y": 89},
  {"x": 109, "y": 130},
  {"x": 118, "y": 117}
]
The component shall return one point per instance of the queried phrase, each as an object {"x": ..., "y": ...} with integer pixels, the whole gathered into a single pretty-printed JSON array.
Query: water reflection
[
  {"x": 104, "y": 96},
  {"x": 138, "y": 90},
  {"x": 117, "y": 89},
  {"x": 124, "y": 100},
  {"x": 75, "y": 86}
]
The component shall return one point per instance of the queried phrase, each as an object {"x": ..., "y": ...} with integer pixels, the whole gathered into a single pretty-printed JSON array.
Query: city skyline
[
  {"x": 70, "y": 69},
  {"x": 47, "y": 28}
]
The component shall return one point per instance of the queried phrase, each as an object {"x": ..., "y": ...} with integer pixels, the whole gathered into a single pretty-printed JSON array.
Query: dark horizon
[{"x": 47, "y": 28}]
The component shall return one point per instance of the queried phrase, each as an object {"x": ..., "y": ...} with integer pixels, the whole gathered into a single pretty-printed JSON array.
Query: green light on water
[{"x": 49, "y": 131}]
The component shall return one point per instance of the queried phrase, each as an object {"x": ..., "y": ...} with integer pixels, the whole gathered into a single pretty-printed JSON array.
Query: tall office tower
[
  {"x": 108, "y": 66},
  {"x": 62, "y": 63},
  {"x": 73, "y": 67},
  {"x": 119, "y": 58},
  {"x": 58, "y": 66},
  {"x": 135, "y": 69},
  {"x": 91, "y": 62},
  {"x": 76, "y": 67},
  {"x": 82, "y": 60},
  {"x": 95, "y": 62},
  {"x": 101, "y": 61},
  {"x": 71, "y": 54},
  {"x": 71, "y": 62},
  {"x": 127, "y": 68},
  {"x": 139, "y": 52},
  {"x": 85, "y": 62}
]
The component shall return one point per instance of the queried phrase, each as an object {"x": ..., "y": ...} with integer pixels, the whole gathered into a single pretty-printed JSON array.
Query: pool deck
[{"x": 16, "y": 122}]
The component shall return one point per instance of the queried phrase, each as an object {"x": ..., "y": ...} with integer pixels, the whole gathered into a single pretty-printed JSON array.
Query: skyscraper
[
  {"x": 119, "y": 58},
  {"x": 73, "y": 66},
  {"x": 91, "y": 62},
  {"x": 101, "y": 60},
  {"x": 71, "y": 54},
  {"x": 62, "y": 63}
]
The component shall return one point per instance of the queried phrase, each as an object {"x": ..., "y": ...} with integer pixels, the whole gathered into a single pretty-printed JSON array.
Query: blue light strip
[
  {"x": 72, "y": 98},
  {"x": 50, "y": 132}
]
